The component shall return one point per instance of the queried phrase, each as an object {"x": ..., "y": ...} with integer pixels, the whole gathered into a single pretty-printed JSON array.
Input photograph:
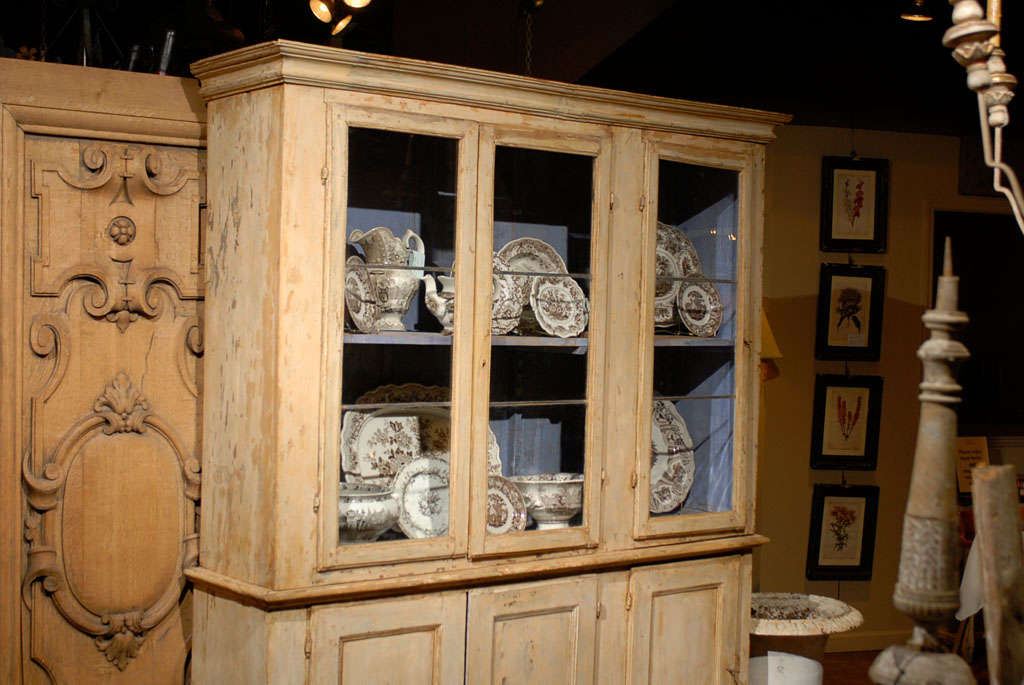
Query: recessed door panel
[
  {"x": 415, "y": 640},
  {"x": 533, "y": 633},
  {"x": 685, "y": 623}
]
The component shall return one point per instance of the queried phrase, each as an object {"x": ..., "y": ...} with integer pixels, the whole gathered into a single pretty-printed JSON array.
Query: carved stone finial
[{"x": 927, "y": 587}]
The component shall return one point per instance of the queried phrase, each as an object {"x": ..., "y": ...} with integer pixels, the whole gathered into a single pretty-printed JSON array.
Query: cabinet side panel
[
  {"x": 240, "y": 376},
  {"x": 231, "y": 642}
]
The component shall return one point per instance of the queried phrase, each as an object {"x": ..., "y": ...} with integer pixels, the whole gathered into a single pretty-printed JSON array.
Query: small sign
[{"x": 971, "y": 451}]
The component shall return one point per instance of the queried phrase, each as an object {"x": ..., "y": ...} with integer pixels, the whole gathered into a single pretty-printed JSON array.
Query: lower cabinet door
[
  {"x": 687, "y": 623},
  {"x": 412, "y": 640},
  {"x": 533, "y": 633}
]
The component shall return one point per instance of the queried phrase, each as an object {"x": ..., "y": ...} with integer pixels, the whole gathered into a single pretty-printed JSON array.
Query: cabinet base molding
[{"x": 270, "y": 599}]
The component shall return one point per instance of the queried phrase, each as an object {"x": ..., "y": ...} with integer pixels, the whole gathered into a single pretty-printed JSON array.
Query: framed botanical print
[
  {"x": 842, "y": 539},
  {"x": 847, "y": 413},
  {"x": 850, "y": 300},
  {"x": 854, "y": 204}
]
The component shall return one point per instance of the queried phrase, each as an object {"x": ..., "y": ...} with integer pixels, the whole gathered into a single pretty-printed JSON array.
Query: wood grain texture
[
  {"x": 102, "y": 103},
  {"x": 417, "y": 639},
  {"x": 533, "y": 633},
  {"x": 100, "y": 348},
  {"x": 281, "y": 61},
  {"x": 280, "y": 116},
  {"x": 100, "y": 345},
  {"x": 487, "y": 572},
  {"x": 684, "y": 619},
  {"x": 997, "y": 520}
]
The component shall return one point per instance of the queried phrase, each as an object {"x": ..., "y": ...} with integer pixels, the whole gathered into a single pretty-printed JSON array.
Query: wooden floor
[{"x": 846, "y": 668}]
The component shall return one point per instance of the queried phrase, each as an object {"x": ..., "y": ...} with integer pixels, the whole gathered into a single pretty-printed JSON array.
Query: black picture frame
[
  {"x": 845, "y": 437},
  {"x": 862, "y": 501},
  {"x": 847, "y": 185},
  {"x": 840, "y": 332}
]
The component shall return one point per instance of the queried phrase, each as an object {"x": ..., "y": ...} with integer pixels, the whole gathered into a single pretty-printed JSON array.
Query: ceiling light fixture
[
  {"x": 916, "y": 11},
  {"x": 340, "y": 26},
  {"x": 357, "y": 4},
  {"x": 322, "y": 10}
]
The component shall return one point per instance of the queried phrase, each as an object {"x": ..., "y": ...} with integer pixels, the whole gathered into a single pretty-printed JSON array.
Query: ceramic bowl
[
  {"x": 552, "y": 499},
  {"x": 365, "y": 511}
]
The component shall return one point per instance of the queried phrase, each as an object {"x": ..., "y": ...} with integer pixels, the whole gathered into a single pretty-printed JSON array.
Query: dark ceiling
[{"x": 840, "y": 64}]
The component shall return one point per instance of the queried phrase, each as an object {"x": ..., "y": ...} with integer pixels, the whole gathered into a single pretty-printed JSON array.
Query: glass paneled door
[
  {"x": 399, "y": 211},
  {"x": 539, "y": 193},
  {"x": 698, "y": 347}
]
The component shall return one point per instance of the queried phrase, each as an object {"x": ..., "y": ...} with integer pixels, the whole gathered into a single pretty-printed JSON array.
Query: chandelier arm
[{"x": 994, "y": 161}]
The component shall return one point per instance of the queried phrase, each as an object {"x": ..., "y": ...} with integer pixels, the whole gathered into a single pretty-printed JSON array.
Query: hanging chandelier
[{"x": 974, "y": 39}]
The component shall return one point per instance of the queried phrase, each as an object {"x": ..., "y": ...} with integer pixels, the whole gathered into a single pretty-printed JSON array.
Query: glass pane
[
  {"x": 695, "y": 327},
  {"x": 396, "y": 363},
  {"x": 539, "y": 346}
]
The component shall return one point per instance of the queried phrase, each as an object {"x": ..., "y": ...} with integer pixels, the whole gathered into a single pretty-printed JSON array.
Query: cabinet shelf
[
  {"x": 427, "y": 338},
  {"x": 689, "y": 341}
]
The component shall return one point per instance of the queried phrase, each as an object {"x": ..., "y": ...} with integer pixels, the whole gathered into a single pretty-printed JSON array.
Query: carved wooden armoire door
[{"x": 101, "y": 373}]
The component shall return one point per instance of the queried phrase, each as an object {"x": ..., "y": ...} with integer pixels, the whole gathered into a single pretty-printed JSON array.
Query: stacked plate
[
  {"x": 681, "y": 292},
  {"x": 556, "y": 302},
  {"x": 407, "y": 449},
  {"x": 672, "y": 463}
]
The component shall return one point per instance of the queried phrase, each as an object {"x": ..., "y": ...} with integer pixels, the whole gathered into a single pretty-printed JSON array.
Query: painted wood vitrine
[{"x": 536, "y": 466}]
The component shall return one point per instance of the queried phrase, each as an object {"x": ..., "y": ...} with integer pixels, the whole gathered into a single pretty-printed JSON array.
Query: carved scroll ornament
[
  {"x": 120, "y": 409},
  {"x": 116, "y": 186}
]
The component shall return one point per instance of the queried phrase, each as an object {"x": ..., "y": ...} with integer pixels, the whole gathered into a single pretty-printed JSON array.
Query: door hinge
[
  {"x": 309, "y": 645},
  {"x": 604, "y": 477},
  {"x": 316, "y": 503},
  {"x": 643, "y": 202},
  {"x": 629, "y": 601},
  {"x": 632, "y": 480},
  {"x": 600, "y": 609},
  {"x": 611, "y": 202},
  {"x": 324, "y": 173}
]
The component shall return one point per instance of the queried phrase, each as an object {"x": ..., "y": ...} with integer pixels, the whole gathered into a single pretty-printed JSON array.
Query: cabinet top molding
[
  {"x": 86, "y": 102},
  {"x": 289, "y": 62}
]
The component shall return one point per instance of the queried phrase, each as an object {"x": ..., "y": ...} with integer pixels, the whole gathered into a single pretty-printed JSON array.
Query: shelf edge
[{"x": 269, "y": 599}]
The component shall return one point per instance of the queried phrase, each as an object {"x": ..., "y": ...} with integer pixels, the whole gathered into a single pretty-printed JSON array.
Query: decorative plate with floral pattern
[
  {"x": 360, "y": 303},
  {"x": 375, "y": 447},
  {"x": 506, "y": 298},
  {"x": 666, "y": 286},
  {"x": 681, "y": 249},
  {"x": 672, "y": 462},
  {"x": 560, "y": 306},
  {"x": 506, "y": 508},
  {"x": 434, "y": 422},
  {"x": 700, "y": 307},
  {"x": 421, "y": 488},
  {"x": 532, "y": 256}
]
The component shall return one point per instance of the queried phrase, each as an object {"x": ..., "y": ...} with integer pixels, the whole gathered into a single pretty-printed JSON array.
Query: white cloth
[
  {"x": 970, "y": 585},
  {"x": 779, "y": 668}
]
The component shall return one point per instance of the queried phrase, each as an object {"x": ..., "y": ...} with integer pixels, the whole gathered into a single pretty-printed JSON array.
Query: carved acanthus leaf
[
  {"x": 123, "y": 406},
  {"x": 124, "y": 640}
]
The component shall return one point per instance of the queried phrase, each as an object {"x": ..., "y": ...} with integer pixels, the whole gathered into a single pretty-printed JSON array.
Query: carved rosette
[
  {"x": 119, "y": 184},
  {"x": 119, "y": 410}
]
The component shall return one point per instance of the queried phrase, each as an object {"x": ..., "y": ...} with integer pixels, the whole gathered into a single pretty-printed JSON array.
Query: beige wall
[{"x": 923, "y": 177}]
